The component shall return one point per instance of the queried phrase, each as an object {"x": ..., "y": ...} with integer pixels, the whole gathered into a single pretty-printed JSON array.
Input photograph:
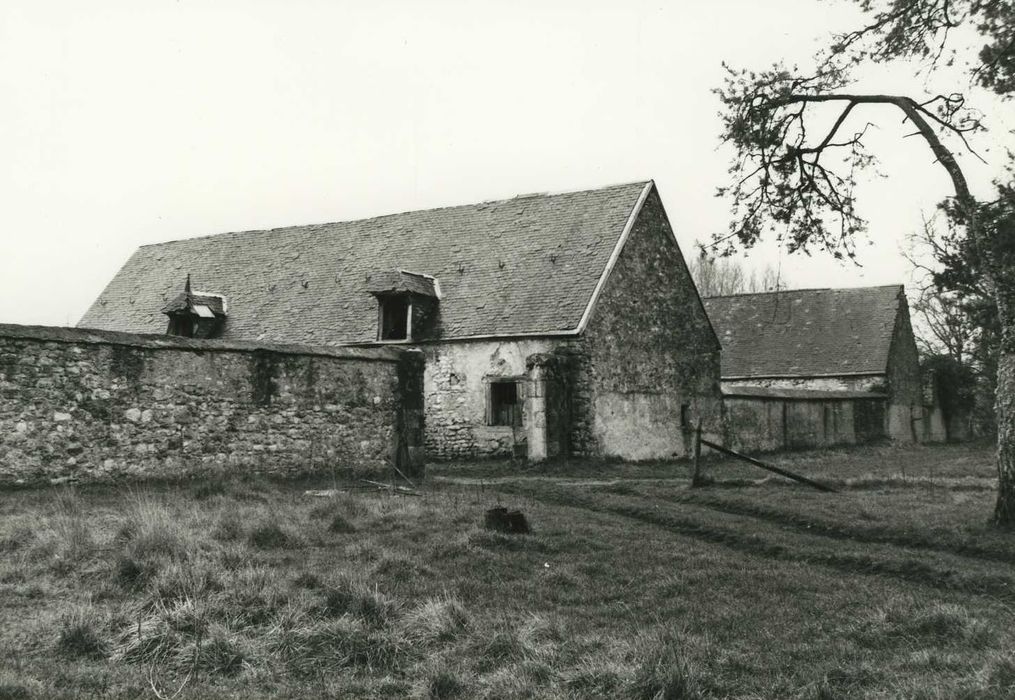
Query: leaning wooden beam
[
  {"x": 403, "y": 476},
  {"x": 392, "y": 487},
  {"x": 768, "y": 467}
]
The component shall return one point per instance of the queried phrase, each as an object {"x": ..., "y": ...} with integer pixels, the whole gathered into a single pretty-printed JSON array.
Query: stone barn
[
  {"x": 814, "y": 367},
  {"x": 550, "y": 324}
]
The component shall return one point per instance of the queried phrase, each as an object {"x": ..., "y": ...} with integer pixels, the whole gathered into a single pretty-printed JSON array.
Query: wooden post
[{"x": 696, "y": 478}]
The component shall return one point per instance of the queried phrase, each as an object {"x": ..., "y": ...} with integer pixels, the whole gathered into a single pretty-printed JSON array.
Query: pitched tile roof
[
  {"x": 517, "y": 266},
  {"x": 806, "y": 332}
]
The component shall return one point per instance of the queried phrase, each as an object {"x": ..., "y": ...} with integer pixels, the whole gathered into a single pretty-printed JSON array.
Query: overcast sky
[{"x": 137, "y": 121}]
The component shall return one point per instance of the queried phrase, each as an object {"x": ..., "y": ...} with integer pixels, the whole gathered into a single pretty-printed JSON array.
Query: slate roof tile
[
  {"x": 806, "y": 332},
  {"x": 309, "y": 284}
]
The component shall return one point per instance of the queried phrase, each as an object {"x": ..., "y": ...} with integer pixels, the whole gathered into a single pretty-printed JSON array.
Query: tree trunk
[
  {"x": 1000, "y": 243},
  {"x": 1004, "y": 511}
]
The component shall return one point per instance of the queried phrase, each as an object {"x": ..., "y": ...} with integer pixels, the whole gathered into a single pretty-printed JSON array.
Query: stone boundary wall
[{"x": 89, "y": 405}]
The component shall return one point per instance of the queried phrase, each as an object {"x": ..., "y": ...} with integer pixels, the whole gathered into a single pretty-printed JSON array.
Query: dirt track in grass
[{"x": 631, "y": 585}]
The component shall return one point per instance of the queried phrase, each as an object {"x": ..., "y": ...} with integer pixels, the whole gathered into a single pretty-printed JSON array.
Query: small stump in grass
[
  {"x": 341, "y": 525},
  {"x": 501, "y": 519},
  {"x": 268, "y": 536},
  {"x": 80, "y": 637},
  {"x": 307, "y": 580},
  {"x": 131, "y": 574}
]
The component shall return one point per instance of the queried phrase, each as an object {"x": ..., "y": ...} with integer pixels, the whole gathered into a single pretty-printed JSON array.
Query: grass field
[{"x": 631, "y": 585}]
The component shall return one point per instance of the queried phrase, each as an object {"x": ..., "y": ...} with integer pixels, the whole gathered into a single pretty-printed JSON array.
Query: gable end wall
[
  {"x": 905, "y": 410},
  {"x": 648, "y": 349},
  {"x": 904, "y": 360}
]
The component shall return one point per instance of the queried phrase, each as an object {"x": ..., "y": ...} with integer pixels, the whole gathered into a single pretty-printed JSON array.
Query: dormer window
[
  {"x": 407, "y": 305},
  {"x": 196, "y": 314},
  {"x": 182, "y": 325},
  {"x": 396, "y": 317}
]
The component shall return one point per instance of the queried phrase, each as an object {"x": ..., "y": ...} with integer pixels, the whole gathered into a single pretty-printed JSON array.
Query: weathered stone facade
[
  {"x": 631, "y": 385},
  {"x": 79, "y": 404},
  {"x": 647, "y": 366},
  {"x": 870, "y": 382},
  {"x": 774, "y": 419},
  {"x": 456, "y": 388},
  {"x": 908, "y": 421}
]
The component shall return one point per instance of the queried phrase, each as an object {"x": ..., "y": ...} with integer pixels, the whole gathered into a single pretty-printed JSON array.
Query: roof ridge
[
  {"x": 379, "y": 217},
  {"x": 805, "y": 289},
  {"x": 520, "y": 267}
]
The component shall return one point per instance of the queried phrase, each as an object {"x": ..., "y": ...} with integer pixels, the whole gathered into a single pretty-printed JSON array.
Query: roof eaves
[
  {"x": 466, "y": 338},
  {"x": 624, "y": 235},
  {"x": 803, "y": 289},
  {"x": 734, "y": 377},
  {"x": 756, "y": 392}
]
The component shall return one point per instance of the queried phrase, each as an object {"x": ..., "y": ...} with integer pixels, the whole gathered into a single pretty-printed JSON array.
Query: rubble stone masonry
[
  {"x": 647, "y": 368},
  {"x": 456, "y": 390},
  {"x": 80, "y": 404}
]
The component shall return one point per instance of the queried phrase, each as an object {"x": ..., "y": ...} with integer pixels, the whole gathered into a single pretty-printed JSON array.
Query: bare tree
[
  {"x": 943, "y": 322},
  {"x": 954, "y": 314},
  {"x": 722, "y": 276},
  {"x": 769, "y": 279},
  {"x": 799, "y": 148},
  {"x": 943, "y": 327}
]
